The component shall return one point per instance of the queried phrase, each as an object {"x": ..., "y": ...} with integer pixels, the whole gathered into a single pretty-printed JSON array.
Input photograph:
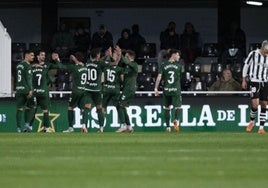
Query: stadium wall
[
  {"x": 5, "y": 62},
  {"x": 199, "y": 113}
]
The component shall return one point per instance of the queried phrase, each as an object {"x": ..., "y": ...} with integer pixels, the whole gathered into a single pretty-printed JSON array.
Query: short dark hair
[
  {"x": 172, "y": 51},
  {"x": 94, "y": 52},
  {"x": 39, "y": 51},
  {"x": 28, "y": 52},
  {"x": 79, "y": 56},
  {"x": 131, "y": 53}
]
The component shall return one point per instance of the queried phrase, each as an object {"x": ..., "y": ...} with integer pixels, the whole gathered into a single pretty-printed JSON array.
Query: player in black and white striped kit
[{"x": 256, "y": 69}]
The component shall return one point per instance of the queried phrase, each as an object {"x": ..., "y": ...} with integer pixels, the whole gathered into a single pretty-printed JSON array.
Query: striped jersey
[{"x": 256, "y": 67}]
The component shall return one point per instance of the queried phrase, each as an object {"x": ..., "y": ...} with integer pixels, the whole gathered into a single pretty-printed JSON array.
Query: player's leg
[
  {"x": 263, "y": 102},
  {"x": 70, "y": 113},
  {"x": 124, "y": 102},
  {"x": 87, "y": 101},
  {"x": 105, "y": 100},
  {"x": 121, "y": 118},
  {"x": 44, "y": 103},
  {"x": 21, "y": 100},
  {"x": 84, "y": 101},
  {"x": 97, "y": 98},
  {"x": 167, "y": 103},
  {"x": 254, "y": 87},
  {"x": 176, "y": 101},
  {"x": 262, "y": 117},
  {"x": 128, "y": 99},
  {"x": 29, "y": 114}
]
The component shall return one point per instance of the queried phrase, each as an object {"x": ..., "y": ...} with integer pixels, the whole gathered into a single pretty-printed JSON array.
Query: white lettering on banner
[
  {"x": 77, "y": 118},
  {"x": 3, "y": 118},
  {"x": 221, "y": 115},
  {"x": 94, "y": 119},
  {"x": 112, "y": 110},
  {"x": 206, "y": 115},
  {"x": 185, "y": 118},
  {"x": 228, "y": 115},
  {"x": 135, "y": 113},
  {"x": 243, "y": 115},
  {"x": 153, "y": 115}
]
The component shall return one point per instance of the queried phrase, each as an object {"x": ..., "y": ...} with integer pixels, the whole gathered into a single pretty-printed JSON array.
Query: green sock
[
  {"x": 33, "y": 116},
  {"x": 100, "y": 117},
  {"x": 126, "y": 116},
  {"x": 70, "y": 118},
  {"x": 85, "y": 116},
  {"x": 29, "y": 115},
  {"x": 26, "y": 114},
  {"x": 19, "y": 117},
  {"x": 121, "y": 115},
  {"x": 177, "y": 114},
  {"x": 167, "y": 117},
  {"x": 46, "y": 119}
]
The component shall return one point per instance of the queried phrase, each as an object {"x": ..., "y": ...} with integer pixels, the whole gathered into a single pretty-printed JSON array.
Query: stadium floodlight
[{"x": 255, "y": 3}]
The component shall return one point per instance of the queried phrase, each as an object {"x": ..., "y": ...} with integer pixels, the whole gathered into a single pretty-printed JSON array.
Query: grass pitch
[{"x": 187, "y": 160}]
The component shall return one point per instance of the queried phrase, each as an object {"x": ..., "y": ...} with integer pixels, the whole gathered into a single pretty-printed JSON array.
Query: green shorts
[
  {"x": 23, "y": 101},
  {"x": 43, "y": 101},
  {"x": 174, "y": 100},
  {"x": 77, "y": 99},
  {"x": 126, "y": 98},
  {"x": 93, "y": 98},
  {"x": 113, "y": 97}
]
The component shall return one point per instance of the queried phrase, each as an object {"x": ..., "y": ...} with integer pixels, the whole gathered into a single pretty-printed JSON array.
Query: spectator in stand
[
  {"x": 124, "y": 41},
  {"x": 233, "y": 47},
  {"x": 136, "y": 40},
  {"x": 81, "y": 40},
  {"x": 62, "y": 41},
  {"x": 102, "y": 39},
  {"x": 191, "y": 44},
  {"x": 234, "y": 37},
  {"x": 226, "y": 83},
  {"x": 169, "y": 39}
]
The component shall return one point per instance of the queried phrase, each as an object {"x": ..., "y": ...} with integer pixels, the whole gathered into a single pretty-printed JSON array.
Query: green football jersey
[
  {"x": 79, "y": 77},
  {"x": 24, "y": 77},
  {"x": 171, "y": 74},
  {"x": 94, "y": 74},
  {"x": 41, "y": 77},
  {"x": 130, "y": 75},
  {"x": 112, "y": 79}
]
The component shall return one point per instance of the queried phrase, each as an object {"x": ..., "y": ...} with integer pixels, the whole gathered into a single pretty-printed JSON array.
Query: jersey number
[
  {"x": 110, "y": 75},
  {"x": 19, "y": 75},
  {"x": 39, "y": 77},
  {"x": 171, "y": 77},
  {"x": 83, "y": 78},
  {"x": 92, "y": 74}
]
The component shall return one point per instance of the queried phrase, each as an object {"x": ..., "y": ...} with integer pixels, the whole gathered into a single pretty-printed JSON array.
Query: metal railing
[{"x": 151, "y": 93}]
